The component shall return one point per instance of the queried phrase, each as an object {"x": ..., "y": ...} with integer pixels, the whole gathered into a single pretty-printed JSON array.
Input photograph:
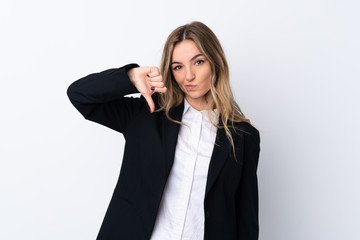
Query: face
[{"x": 192, "y": 72}]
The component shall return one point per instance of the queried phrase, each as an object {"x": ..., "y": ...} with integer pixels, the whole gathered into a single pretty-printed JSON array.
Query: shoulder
[
  {"x": 248, "y": 133},
  {"x": 246, "y": 128}
]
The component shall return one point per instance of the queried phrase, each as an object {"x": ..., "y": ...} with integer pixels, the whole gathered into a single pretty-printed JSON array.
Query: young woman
[{"x": 191, "y": 156}]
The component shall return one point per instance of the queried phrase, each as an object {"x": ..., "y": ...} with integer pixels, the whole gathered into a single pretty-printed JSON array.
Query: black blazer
[{"x": 231, "y": 195}]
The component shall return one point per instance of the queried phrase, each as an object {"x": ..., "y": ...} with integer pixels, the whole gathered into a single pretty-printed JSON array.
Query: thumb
[{"x": 150, "y": 102}]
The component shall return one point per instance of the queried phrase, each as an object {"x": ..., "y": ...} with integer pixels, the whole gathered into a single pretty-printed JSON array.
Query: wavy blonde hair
[{"x": 222, "y": 99}]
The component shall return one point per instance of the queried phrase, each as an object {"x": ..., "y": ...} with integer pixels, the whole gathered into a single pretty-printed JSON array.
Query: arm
[
  {"x": 99, "y": 97},
  {"x": 247, "y": 193}
]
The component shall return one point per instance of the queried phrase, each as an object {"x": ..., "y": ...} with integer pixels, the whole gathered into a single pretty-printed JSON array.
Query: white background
[{"x": 294, "y": 70}]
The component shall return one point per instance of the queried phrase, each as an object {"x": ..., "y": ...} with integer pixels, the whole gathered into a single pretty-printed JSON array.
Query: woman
[{"x": 190, "y": 158}]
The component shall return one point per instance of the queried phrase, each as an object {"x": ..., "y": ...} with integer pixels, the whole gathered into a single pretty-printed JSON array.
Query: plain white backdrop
[{"x": 294, "y": 70}]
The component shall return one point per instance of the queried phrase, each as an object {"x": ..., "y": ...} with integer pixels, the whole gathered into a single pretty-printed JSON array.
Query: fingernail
[{"x": 152, "y": 88}]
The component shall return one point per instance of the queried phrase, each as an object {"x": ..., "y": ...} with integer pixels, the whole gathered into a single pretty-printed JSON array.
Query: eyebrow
[{"x": 198, "y": 55}]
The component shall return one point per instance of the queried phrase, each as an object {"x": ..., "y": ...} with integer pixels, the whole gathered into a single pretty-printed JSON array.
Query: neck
[{"x": 199, "y": 104}]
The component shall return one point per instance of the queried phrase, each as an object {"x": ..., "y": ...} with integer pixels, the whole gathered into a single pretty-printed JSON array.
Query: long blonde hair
[{"x": 222, "y": 97}]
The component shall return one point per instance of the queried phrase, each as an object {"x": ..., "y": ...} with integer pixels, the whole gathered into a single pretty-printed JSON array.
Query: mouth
[{"x": 190, "y": 87}]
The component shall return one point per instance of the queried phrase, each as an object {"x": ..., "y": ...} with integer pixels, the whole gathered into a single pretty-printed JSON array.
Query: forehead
[{"x": 185, "y": 50}]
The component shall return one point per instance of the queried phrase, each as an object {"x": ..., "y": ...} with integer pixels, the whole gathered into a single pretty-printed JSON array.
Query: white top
[{"x": 181, "y": 211}]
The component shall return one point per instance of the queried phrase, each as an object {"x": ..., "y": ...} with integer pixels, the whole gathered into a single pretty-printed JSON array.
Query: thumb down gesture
[{"x": 147, "y": 80}]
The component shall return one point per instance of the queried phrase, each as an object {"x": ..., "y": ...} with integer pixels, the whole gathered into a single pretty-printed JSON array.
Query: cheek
[
  {"x": 178, "y": 78},
  {"x": 206, "y": 74},
  {"x": 207, "y": 79}
]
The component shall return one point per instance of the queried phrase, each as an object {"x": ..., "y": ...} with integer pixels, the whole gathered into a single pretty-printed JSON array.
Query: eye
[
  {"x": 199, "y": 62},
  {"x": 177, "y": 67}
]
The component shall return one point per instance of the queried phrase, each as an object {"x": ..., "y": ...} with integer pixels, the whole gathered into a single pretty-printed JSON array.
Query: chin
[{"x": 195, "y": 96}]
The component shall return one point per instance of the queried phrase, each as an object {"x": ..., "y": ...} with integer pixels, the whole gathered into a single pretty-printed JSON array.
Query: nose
[{"x": 190, "y": 75}]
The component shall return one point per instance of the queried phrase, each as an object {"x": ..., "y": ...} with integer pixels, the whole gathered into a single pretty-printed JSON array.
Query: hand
[{"x": 147, "y": 80}]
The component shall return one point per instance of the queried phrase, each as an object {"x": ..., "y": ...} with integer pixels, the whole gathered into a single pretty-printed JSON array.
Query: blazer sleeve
[
  {"x": 247, "y": 193},
  {"x": 100, "y": 97}
]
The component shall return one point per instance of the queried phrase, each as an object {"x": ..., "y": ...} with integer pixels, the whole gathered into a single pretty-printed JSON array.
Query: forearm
[
  {"x": 102, "y": 87},
  {"x": 99, "y": 97}
]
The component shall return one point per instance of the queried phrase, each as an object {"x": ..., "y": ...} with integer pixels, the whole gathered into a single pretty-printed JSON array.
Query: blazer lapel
[
  {"x": 171, "y": 131},
  {"x": 218, "y": 157},
  {"x": 219, "y": 154}
]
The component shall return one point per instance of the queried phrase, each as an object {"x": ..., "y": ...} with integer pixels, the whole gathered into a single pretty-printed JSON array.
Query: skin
[
  {"x": 147, "y": 80},
  {"x": 191, "y": 70}
]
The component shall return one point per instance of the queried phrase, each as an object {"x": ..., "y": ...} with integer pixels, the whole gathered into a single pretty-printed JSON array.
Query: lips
[{"x": 190, "y": 87}]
